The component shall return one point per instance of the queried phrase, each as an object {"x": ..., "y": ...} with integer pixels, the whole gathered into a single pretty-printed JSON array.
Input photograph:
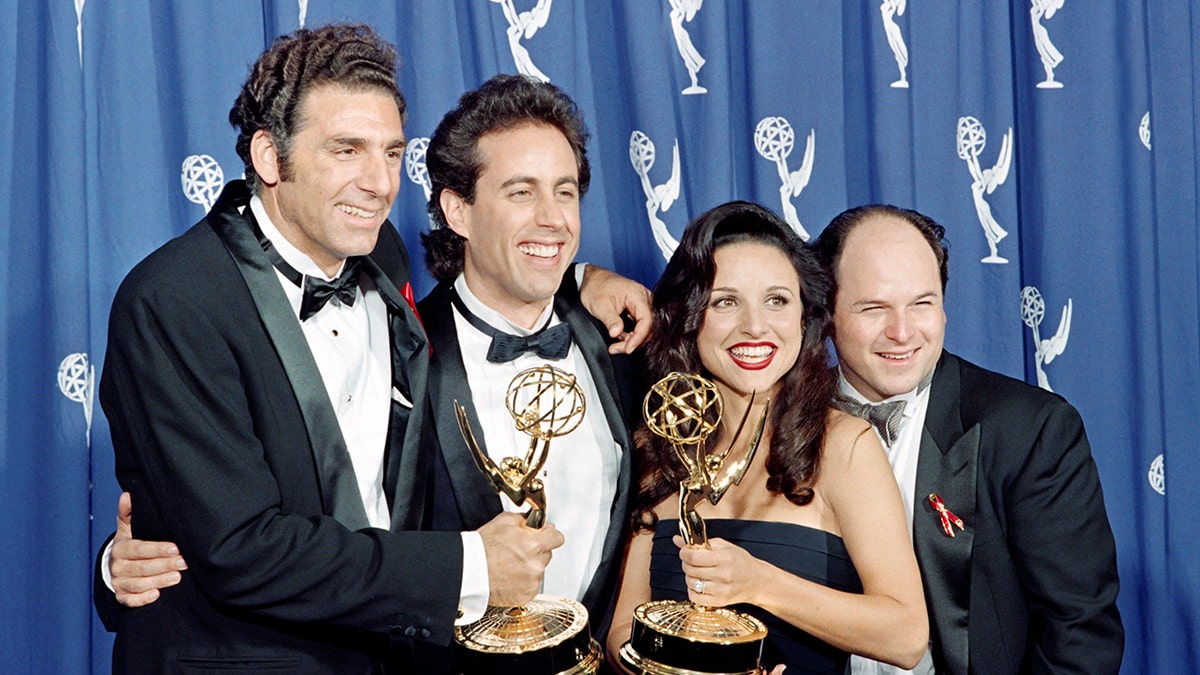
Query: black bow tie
[
  {"x": 885, "y": 417},
  {"x": 317, "y": 292},
  {"x": 551, "y": 342}
]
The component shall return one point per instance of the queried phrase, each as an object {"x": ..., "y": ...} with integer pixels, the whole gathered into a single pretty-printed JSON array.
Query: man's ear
[
  {"x": 454, "y": 207},
  {"x": 264, "y": 155}
]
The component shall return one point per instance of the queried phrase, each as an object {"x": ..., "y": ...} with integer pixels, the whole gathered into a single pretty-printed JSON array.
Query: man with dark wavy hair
[
  {"x": 454, "y": 160},
  {"x": 265, "y": 383},
  {"x": 508, "y": 168}
]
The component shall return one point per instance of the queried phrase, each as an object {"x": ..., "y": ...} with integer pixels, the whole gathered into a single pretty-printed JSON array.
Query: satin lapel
[
  {"x": 590, "y": 341},
  {"x": 340, "y": 496},
  {"x": 477, "y": 502},
  {"x": 948, "y": 466},
  {"x": 405, "y": 471}
]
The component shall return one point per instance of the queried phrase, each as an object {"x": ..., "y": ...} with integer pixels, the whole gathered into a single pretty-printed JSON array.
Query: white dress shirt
[
  {"x": 352, "y": 348},
  {"x": 902, "y": 455},
  {"x": 582, "y": 468}
]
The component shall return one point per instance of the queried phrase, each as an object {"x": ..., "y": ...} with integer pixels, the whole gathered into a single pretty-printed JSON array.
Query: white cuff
[
  {"x": 105, "y": 561},
  {"x": 473, "y": 594}
]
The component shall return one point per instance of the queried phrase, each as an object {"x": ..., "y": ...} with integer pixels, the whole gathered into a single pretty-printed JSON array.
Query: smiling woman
[
  {"x": 796, "y": 543},
  {"x": 753, "y": 326}
]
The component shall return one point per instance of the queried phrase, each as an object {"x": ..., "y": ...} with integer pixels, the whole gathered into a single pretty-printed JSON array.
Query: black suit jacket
[
  {"x": 462, "y": 498},
  {"x": 224, "y": 435},
  {"x": 1031, "y": 585}
]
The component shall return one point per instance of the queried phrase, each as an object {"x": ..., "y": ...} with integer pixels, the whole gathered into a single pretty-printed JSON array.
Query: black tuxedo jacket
[
  {"x": 462, "y": 498},
  {"x": 1031, "y": 585},
  {"x": 224, "y": 434}
]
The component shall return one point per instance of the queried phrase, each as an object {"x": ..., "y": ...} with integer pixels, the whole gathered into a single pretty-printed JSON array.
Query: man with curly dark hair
[
  {"x": 508, "y": 168},
  {"x": 265, "y": 383}
]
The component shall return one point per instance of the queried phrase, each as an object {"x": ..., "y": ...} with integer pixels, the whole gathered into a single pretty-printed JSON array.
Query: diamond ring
[{"x": 698, "y": 585}]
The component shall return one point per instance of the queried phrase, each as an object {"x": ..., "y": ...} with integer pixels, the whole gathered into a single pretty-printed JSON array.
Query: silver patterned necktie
[{"x": 885, "y": 417}]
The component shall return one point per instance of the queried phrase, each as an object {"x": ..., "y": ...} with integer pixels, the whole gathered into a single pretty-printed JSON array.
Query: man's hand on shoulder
[
  {"x": 140, "y": 568},
  {"x": 609, "y": 296}
]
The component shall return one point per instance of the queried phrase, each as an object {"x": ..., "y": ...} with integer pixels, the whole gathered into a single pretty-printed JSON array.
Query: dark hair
[
  {"x": 452, "y": 159},
  {"x": 346, "y": 55},
  {"x": 833, "y": 238},
  {"x": 799, "y": 410}
]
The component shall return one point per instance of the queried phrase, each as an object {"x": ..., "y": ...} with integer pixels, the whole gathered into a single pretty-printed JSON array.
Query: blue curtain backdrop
[{"x": 1023, "y": 126}]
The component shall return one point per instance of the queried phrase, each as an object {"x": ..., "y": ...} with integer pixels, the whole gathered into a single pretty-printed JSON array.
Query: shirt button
[
  {"x": 410, "y": 631},
  {"x": 335, "y": 333}
]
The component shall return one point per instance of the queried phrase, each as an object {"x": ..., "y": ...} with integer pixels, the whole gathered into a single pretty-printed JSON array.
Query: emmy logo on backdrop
[
  {"x": 774, "y": 138},
  {"x": 684, "y": 11},
  {"x": 1033, "y": 310},
  {"x": 672, "y": 637},
  {"x": 414, "y": 164},
  {"x": 1051, "y": 57},
  {"x": 549, "y": 635},
  {"x": 1157, "y": 476},
  {"x": 972, "y": 139},
  {"x": 658, "y": 197},
  {"x": 414, "y": 167},
  {"x": 77, "y": 381},
  {"x": 890, "y": 9},
  {"x": 525, "y": 25},
  {"x": 1144, "y": 130},
  {"x": 202, "y": 180}
]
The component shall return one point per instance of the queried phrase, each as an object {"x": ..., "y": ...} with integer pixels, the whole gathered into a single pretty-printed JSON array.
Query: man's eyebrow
[
  {"x": 876, "y": 301},
  {"x": 515, "y": 180},
  {"x": 357, "y": 142},
  {"x": 519, "y": 179}
]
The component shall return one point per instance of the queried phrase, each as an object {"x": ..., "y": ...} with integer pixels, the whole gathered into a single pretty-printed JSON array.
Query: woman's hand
[{"x": 723, "y": 574}]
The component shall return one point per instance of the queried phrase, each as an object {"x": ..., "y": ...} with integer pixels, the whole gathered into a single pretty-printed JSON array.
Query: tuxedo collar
[
  {"x": 299, "y": 260},
  {"x": 230, "y": 219},
  {"x": 339, "y": 489},
  {"x": 948, "y": 466},
  {"x": 494, "y": 318},
  {"x": 942, "y": 419},
  {"x": 477, "y": 502}
]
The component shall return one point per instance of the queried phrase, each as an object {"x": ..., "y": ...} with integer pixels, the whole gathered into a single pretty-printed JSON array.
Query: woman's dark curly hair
[
  {"x": 347, "y": 55},
  {"x": 799, "y": 410},
  {"x": 453, "y": 161}
]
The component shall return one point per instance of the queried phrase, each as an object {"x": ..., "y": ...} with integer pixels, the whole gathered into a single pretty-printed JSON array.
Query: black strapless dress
[{"x": 813, "y": 554}]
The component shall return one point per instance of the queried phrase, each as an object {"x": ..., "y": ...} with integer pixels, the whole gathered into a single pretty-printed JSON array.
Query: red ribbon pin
[
  {"x": 411, "y": 299},
  {"x": 948, "y": 517}
]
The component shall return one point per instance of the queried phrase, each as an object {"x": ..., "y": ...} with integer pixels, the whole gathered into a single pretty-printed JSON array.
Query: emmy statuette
[
  {"x": 549, "y": 635},
  {"x": 681, "y": 638}
]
